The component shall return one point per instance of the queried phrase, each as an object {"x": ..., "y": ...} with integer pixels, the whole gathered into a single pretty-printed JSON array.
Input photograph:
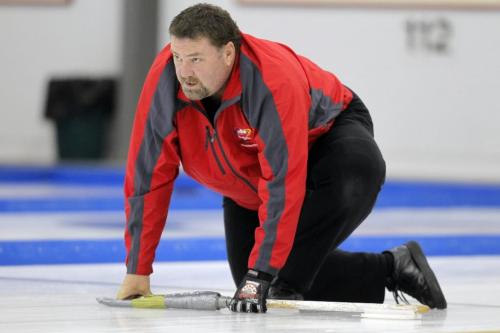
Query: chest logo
[{"x": 245, "y": 137}]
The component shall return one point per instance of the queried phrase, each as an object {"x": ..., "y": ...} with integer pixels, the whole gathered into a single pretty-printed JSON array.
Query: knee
[
  {"x": 354, "y": 171},
  {"x": 363, "y": 173},
  {"x": 379, "y": 169}
]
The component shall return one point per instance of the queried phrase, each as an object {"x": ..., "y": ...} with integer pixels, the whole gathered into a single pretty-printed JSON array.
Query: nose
[{"x": 184, "y": 69}]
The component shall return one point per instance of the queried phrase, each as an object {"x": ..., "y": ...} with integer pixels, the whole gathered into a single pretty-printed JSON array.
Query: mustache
[{"x": 189, "y": 80}]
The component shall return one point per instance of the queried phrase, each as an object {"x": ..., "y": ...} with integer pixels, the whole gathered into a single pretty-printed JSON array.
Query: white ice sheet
[{"x": 62, "y": 299}]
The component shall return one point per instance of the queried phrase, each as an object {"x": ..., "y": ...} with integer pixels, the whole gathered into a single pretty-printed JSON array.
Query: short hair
[{"x": 206, "y": 20}]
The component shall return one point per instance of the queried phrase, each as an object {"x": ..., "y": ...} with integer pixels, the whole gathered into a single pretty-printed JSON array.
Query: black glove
[{"x": 252, "y": 293}]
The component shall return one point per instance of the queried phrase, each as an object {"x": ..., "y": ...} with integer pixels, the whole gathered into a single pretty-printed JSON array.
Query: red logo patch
[{"x": 246, "y": 137}]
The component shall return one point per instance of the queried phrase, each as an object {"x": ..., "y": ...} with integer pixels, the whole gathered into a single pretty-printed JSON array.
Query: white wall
[
  {"x": 38, "y": 42},
  {"x": 437, "y": 116}
]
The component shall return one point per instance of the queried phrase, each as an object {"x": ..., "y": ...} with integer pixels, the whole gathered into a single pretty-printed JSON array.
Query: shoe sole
[{"x": 418, "y": 255}]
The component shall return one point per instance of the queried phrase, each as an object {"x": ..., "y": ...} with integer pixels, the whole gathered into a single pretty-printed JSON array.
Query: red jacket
[{"x": 274, "y": 106}]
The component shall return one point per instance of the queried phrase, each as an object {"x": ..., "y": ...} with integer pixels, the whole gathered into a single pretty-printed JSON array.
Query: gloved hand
[
  {"x": 134, "y": 286},
  {"x": 252, "y": 293}
]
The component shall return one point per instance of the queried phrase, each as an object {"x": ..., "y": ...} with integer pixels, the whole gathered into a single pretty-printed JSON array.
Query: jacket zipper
[
  {"x": 210, "y": 139},
  {"x": 246, "y": 181}
]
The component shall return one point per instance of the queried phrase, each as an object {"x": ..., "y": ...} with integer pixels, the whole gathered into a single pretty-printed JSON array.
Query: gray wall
[{"x": 140, "y": 31}]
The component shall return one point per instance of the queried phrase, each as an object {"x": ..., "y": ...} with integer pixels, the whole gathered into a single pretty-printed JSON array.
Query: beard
[{"x": 194, "y": 89}]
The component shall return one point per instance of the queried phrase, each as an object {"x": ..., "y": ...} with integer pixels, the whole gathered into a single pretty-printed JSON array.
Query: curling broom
[{"x": 209, "y": 300}]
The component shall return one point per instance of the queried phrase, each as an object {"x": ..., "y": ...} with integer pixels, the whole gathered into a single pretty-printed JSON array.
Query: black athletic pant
[{"x": 345, "y": 173}]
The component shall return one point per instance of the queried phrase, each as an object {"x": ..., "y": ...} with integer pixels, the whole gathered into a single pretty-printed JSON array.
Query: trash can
[{"x": 81, "y": 109}]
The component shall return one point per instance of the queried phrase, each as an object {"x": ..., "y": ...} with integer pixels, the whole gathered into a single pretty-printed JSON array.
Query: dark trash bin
[{"x": 81, "y": 109}]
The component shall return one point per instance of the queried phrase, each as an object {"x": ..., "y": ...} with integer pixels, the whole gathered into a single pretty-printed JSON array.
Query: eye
[
  {"x": 177, "y": 58},
  {"x": 195, "y": 60}
]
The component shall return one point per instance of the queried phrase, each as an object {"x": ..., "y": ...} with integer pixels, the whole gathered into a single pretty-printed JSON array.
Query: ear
[{"x": 229, "y": 53}]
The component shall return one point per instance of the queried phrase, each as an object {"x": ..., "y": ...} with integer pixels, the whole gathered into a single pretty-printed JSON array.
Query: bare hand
[{"x": 134, "y": 286}]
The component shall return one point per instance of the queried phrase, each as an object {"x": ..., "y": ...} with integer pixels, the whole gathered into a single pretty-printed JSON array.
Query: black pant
[{"x": 345, "y": 173}]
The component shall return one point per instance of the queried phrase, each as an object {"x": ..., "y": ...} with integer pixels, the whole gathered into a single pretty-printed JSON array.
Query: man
[{"x": 291, "y": 150}]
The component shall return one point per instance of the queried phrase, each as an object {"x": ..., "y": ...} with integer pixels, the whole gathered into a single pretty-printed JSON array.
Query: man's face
[{"x": 201, "y": 68}]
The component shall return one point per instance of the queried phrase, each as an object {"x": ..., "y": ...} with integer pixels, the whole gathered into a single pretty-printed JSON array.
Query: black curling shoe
[
  {"x": 413, "y": 276},
  {"x": 281, "y": 290}
]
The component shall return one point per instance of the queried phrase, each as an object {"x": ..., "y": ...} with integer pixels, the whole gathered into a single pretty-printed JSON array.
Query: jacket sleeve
[
  {"x": 282, "y": 135},
  {"x": 152, "y": 166}
]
